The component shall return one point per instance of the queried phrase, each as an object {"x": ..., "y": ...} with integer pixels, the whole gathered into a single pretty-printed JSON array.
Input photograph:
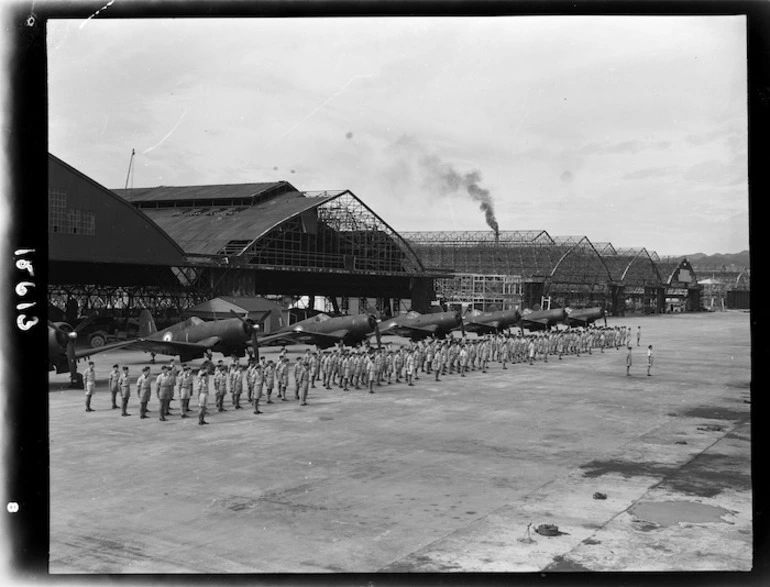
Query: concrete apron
[
  {"x": 440, "y": 476},
  {"x": 679, "y": 465}
]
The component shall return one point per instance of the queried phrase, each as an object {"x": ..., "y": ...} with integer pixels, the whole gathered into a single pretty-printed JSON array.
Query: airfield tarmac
[{"x": 438, "y": 477}]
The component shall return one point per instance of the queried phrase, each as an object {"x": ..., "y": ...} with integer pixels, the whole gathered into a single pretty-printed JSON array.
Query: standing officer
[
  {"x": 649, "y": 360},
  {"x": 174, "y": 373},
  {"x": 628, "y": 360},
  {"x": 258, "y": 379},
  {"x": 638, "y": 335},
  {"x": 203, "y": 394},
  {"x": 219, "y": 388},
  {"x": 304, "y": 380},
  {"x": 410, "y": 367},
  {"x": 143, "y": 391},
  {"x": 297, "y": 369},
  {"x": 164, "y": 391},
  {"x": 269, "y": 379},
  {"x": 185, "y": 390},
  {"x": 89, "y": 377},
  {"x": 125, "y": 391},
  {"x": 236, "y": 386},
  {"x": 114, "y": 385},
  {"x": 370, "y": 373}
]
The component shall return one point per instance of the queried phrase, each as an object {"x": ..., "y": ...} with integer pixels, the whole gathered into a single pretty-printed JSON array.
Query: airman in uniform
[
  {"x": 114, "y": 385},
  {"x": 649, "y": 360},
  {"x": 269, "y": 379},
  {"x": 125, "y": 391},
  {"x": 164, "y": 391},
  {"x": 219, "y": 388},
  {"x": 297, "y": 368},
  {"x": 143, "y": 391},
  {"x": 202, "y": 387},
  {"x": 258, "y": 382},
  {"x": 89, "y": 378},
  {"x": 304, "y": 380},
  {"x": 628, "y": 360},
  {"x": 371, "y": 373},
  {"x": 638, "y": 335},
  {"x": 185, "y": 390}
]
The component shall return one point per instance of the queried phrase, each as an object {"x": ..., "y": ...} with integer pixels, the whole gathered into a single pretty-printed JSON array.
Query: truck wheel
[{"x": 97, "y": 340}]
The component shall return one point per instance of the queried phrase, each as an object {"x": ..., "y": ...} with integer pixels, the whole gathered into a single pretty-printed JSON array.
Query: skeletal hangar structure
[
  {"x": 522, "y": 269},
  {"x": 170, "y": 248}
]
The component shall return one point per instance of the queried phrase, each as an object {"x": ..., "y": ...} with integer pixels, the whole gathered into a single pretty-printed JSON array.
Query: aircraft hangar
[
  {"x": 170, "y": 248},
  {"x": 528, "y": 268}
]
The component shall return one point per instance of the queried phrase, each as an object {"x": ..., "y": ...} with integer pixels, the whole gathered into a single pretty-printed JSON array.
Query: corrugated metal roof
[
  {"x": 199, "y": 192},
  {"x": 208, "y": 234},
  {"x": 251, "y": 304}
]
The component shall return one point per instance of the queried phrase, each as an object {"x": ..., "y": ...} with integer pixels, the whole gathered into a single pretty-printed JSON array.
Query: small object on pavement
[
  {"x": 599, "y": 495},
  {"x": 549, "y": 530}
]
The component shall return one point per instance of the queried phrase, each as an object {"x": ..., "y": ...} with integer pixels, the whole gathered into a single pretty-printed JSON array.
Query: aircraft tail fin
[{"x": 146, "y": 324}]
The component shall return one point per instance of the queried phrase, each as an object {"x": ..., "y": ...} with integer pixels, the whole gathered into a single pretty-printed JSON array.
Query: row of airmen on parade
[{"x": 350, "y": 367}]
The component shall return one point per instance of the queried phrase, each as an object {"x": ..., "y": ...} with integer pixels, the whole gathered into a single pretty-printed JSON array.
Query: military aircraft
[
  {"x": 324, "y": 331},
  {"x": 418, "y": 326},
  {"x": 62, "y": 355},
  {"x": 193, "y": 338},
  {"x": 490, "y": 322},
  {"x": 542, "y": 319},
  {"x": 584, "y": 317}
]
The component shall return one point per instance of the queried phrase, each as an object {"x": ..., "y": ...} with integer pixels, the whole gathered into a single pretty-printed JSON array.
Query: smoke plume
[{"x": 447, "y": 180}]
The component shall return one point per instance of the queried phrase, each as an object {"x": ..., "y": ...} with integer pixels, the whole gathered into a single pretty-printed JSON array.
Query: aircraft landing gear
[{"x": 76, "y": 382}]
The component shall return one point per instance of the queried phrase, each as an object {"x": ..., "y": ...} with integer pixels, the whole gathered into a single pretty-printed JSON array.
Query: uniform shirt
[
  {"x": 115, "y": 380},
  {"x": 125, "y": 385},
  {"x": 89, "y": 376},
  {"x": 146, "y": 387}
]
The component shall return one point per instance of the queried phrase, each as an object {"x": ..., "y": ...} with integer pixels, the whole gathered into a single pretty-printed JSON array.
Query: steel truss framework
[
  {"x": 482, "y": 292},
  {"x": 569, "y": 267},
  {"x": 159, "y": 300},
  {"x": 342, "y": 234},
  {"x": 732, "y": 276}
]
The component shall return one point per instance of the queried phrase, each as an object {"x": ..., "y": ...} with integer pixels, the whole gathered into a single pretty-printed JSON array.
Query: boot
[
  {"x": 114, "y": 404},
  {"x": 88, "y": 404},
  {"x": 256, "y": 407},
  {"x": 124, "y": 406}
]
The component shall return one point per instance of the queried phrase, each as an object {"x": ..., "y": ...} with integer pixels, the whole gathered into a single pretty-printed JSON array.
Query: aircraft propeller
[
  {"x": 67, "y": 338},
  {"x": 374, "y": 321},
  {"x": 461, "y": 321},
  {"x": 251, "y": 327}
]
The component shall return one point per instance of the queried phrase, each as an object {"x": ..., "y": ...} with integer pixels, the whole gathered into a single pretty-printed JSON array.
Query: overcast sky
[{"x": 631, "y": 130}]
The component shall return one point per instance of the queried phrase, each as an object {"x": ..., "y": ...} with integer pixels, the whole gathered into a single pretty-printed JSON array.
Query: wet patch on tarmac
[
  {"x": 560, "y": 565},
  {"x": 708, "y": 475},
  {"x": 717, "y": 413},
  {"x": 325, "y": 418},
  {"x": 626, "y": 468},
  {"x": 420, "y": 562},
  {"x": 668, "y": 513}
]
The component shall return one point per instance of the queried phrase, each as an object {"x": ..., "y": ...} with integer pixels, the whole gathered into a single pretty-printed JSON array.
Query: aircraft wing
[
  {"x": 303, "y": 337},
  {"x": 485, "y": 327},
  {"x": 80, "y": 354},
  {"x": 538, "y": 323},
  {"x": 408, "y": 330},
  {"x": 176, "y": 347}
]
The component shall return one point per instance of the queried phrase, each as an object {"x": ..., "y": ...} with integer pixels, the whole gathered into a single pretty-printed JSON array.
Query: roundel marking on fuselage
[{"x": 168, "y": 337}]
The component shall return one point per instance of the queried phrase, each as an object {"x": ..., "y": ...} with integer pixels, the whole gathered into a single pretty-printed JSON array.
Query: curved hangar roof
[
  {"x": 238, "y": 219},
  {"x": 203, "y": 220},
  {"x": 88, "y": 223}
]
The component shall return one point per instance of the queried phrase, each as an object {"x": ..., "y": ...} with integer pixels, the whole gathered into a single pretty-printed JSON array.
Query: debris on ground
[
  {"x": 600, "y": 495},
  {"x": 549, "y": 530},
  {"x": 711, "y": 428},
  {"x": 681, "y": 442}
]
